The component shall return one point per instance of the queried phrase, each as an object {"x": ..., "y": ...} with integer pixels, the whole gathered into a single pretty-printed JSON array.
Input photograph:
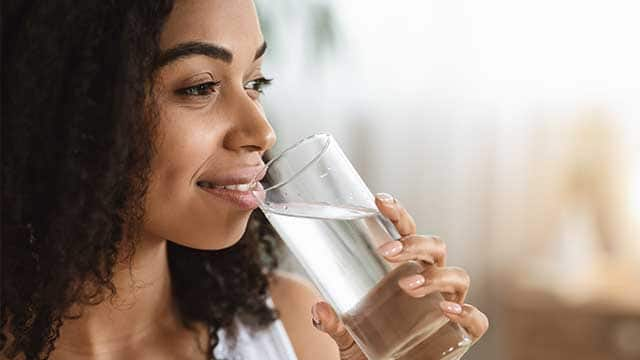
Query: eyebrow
[{"x": 191, "y": 48}]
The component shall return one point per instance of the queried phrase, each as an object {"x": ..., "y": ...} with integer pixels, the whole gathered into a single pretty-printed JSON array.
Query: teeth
[{"x": 237, "y": 187}]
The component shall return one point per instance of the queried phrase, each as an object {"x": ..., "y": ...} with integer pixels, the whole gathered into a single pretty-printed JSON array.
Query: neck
[{"x": 142, "y": 307}]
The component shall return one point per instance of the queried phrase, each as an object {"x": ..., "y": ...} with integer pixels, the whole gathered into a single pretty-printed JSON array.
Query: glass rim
[{"x": 322, "y": 135}]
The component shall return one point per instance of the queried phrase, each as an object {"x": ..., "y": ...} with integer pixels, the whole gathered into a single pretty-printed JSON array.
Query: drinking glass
[{"x": 327, "y": 217}]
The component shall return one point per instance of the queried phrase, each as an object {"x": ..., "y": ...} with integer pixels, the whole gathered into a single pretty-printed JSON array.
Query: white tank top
[{"x": 270, "y": 343}]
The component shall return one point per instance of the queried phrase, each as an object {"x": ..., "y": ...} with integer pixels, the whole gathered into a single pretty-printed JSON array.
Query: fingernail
[
  {"x": 391, "y": 248},
  {"x": 315, "y": 319},
  {"x": 412, "y": 281},
  {"x": 314, "y": 315},
  {"x": 451, "y": 307},
  {"x": 385, "y": 198},
  {"x": 315, "y": 323}
]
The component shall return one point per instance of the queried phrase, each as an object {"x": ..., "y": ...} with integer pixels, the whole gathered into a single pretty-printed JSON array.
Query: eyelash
[
  {"x": 197, "y": 90},
  {"x": 258, "y": 84},
  {"x": 210, "y": 87}
]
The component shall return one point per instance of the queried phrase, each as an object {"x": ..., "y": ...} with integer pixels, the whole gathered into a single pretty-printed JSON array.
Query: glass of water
[{"x": 327, "y": 217}]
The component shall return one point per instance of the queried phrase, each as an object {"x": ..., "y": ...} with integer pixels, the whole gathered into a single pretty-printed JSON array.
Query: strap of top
[{"x": 270, "y": 343}]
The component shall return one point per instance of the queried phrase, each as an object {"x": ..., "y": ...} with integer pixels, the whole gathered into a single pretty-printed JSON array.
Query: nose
[{"x": 250, "y": 130}]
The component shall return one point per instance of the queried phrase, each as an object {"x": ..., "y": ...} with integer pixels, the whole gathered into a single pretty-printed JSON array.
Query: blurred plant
[{"x": 318, "y": 18}]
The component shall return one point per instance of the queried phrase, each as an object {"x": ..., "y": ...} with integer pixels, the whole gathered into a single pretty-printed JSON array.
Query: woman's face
[{"x": 211, "y": 126}]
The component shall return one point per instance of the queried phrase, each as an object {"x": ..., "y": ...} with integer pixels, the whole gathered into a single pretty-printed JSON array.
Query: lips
[
  {"x": 244, "y": 200},
  {"x": 235, "y": 186},
  {"x": 240, "y": 179}
]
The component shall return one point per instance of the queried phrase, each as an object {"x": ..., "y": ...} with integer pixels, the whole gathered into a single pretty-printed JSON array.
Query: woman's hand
[{"x": 452, "y": 282}]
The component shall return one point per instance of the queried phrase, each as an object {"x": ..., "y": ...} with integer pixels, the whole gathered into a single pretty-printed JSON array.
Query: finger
[
  {"x": 452, "y": 282},
  {"x": 325, "y": 319},
  {"x": 399, "y": 216},
  {"x": 428, "y": 248},
  {"x": 471, "y": 319}
]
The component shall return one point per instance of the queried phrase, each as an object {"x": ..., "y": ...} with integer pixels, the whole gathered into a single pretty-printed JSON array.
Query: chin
[
  {"x": 210, "y": 243},
  {"x": 221, "y": 240}
]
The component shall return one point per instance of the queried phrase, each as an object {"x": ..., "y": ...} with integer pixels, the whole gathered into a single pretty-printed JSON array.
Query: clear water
[
  {"x": 336, "y": 246},
  {"x": 389, "y": 324}
]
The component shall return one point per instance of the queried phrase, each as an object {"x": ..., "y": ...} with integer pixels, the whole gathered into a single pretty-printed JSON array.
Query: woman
[{"x": 117, "y": 117}]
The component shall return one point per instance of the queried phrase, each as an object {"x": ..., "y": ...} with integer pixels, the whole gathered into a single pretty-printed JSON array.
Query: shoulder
[
  {"x": 291, "y": 289},
  {"x": 293, "y": 297}
]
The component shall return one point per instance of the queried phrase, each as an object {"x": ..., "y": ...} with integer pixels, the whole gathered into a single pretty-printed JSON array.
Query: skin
[{"x": 209, "y": 130}]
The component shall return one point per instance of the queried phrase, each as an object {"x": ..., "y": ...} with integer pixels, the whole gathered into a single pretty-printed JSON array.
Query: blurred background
[{"x": 509, "y": 128}]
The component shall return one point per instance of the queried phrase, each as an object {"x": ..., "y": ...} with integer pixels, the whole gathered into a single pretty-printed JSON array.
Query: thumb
[{"x": 325, "y": 319}]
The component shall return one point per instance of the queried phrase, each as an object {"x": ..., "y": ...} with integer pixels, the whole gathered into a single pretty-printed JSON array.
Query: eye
[
  {"x": 203, "y": 89},
  {"x": 258, "y": 84}
]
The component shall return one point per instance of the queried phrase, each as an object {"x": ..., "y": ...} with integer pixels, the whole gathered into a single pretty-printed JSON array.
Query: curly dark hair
[{"x": 76, "y": 148}]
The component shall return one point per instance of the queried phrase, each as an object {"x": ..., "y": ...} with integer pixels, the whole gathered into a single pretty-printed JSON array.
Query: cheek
[
  {"x": 182, "y": 213},
  {"x": 175, "y": 208}
]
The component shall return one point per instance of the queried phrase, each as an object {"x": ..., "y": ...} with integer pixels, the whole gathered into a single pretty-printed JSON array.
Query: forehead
[{"x": 232, "y": 24}]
